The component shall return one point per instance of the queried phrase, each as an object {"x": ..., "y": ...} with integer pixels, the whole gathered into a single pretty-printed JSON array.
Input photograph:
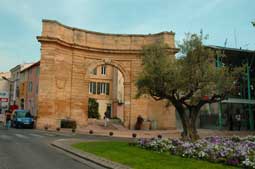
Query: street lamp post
[{"x": 251, "y": 118}]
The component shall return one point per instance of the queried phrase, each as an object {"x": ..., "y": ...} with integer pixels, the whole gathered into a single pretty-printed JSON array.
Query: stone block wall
[{"x": 67, "y": 56}]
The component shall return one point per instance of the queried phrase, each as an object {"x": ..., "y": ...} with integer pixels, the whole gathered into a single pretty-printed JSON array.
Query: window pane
[
  {"x": 98, "y": 88},
  {"x": 37, "y": 71},
  {"x": 103, "y": 69},
  {"x": 94, "y": 71},
  {"x": 107, "y": 88},
  {"x": 30, "y": 86},
  {"x": 94, "y": 87},
  {"x": 90, "y": 87},
  {"x": 103, "y": 88}
]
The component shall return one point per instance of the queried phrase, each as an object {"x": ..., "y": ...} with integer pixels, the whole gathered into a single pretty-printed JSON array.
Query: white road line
[
  {"x": 36, "y": 135},
  {"x": 21, "y": 136},
  {"x": 6, "y": 137},
  {"x": 46, "y": 134}
]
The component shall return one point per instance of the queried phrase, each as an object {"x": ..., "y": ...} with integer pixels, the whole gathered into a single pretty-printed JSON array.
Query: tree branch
[
  {"x": 155, "y": 96},
  {"x": 187, "y": 96},
  {"x": 215, "y": 98}
]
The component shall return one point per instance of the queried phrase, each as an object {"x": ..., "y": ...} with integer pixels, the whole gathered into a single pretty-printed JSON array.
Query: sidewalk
[
  {"x": 119, "y": 133},
  {"x": 208, "y": 132},
  {"x": 155, "y": 133},
  {"x": 139, "y": 133},
  {"x": 97, "y": 127}
]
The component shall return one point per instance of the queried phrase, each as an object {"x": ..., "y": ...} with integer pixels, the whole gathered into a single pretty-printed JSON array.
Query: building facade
[
  {"x": 100, "y": 87},
  {"x": 118, "y": 95},
  {"x": 15, "y": 83},
  {"x": 4, "y": 91},
  {"x": 29, "y": 87},
  {"x": 107, "y": 87},
  {"x": 241, "y": 101},
  {"x": 69, "y": 55}
]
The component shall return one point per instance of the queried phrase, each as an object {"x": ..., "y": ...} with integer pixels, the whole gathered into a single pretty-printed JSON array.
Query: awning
[{"x": 240, "y": 101}]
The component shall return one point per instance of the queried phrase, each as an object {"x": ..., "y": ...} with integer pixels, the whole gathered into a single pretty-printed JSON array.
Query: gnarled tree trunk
[{"x": 189, "y": 123}]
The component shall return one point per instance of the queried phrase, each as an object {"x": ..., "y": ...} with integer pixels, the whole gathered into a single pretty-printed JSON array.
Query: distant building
[
  {"x": 222, "y": 114},
  {"x": 105, "y": 86},
  {"x": 4, "y": 91},
  {"x": 28, "y": 87},
  {"x": 118, "y": 94},
  {"x": 14, "y": 83}
]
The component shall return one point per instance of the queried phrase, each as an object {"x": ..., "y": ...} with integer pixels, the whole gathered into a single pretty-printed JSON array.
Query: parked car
[{"x": 22, "y": 119}]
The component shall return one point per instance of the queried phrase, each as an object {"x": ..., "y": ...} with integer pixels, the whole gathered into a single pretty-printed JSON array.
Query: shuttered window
[{"x": 99, "y": 88}]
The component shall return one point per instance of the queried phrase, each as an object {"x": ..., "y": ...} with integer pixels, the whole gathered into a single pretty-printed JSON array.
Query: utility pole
[
  {"x": 219, "y": 64},
  {"x": 251, "y": 118}
]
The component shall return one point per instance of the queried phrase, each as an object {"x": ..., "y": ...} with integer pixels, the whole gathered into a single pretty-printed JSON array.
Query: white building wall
[{"x": 4, "y": 92}]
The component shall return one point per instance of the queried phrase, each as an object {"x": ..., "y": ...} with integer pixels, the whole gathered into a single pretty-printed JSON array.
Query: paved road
[{"x": 31, "y": 149}]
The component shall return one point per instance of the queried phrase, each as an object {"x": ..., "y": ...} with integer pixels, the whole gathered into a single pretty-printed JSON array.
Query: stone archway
[
  {"x": 111, "y": 62},
  {"x": 67, "y": 55},
  {"x": 127, "y": 86}
]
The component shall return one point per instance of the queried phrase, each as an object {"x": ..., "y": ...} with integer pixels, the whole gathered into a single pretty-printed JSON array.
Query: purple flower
[{"x": 230, "y": 150}]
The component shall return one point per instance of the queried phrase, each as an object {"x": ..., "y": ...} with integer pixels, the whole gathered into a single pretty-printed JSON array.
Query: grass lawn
[{"x": 143, "y": 159}]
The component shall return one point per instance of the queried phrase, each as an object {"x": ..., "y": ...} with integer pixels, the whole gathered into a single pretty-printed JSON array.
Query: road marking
[
  {"x": 21, "y": 136},
  {"x": 36, "y": 135},
  {"x": 6, "y": 137},
  {"x": 46, "y": 134}
]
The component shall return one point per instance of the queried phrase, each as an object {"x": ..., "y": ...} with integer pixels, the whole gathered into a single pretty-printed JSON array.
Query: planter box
[{"x": 146, "y": 125}]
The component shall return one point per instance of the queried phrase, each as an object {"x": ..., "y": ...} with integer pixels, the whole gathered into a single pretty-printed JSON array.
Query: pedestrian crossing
[
  {"x": 24, "y": 136},
  {"x": 21, "y": 136},
  {"x": 36, "y": 135},
  {"x": 5, "y": 137}
]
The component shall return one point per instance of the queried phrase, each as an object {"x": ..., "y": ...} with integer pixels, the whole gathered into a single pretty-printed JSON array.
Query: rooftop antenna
[
  {"x": 225, "y": 43},
  {"x": 235, "y": 38}
]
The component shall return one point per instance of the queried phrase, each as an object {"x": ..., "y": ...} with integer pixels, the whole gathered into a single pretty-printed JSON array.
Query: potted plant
[{"x": 46, "y": 127}]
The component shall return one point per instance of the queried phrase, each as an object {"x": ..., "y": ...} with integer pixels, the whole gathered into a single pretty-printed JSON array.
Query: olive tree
[{"x": 187, "y": 82}]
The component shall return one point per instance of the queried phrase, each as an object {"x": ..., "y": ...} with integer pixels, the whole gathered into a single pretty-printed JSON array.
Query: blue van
[{"x": 22, "y": 119}]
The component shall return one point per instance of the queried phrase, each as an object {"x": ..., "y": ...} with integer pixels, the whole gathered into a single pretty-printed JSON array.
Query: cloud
[
  {"x": 22, "y": 11},
  {"x": 21, "y": 20},
  {"x": 7, "y": 63},
  {"x": 203, "y": 9}
]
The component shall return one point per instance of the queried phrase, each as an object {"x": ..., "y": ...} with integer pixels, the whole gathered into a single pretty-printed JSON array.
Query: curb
[
  {"x": 64, "y": 145},
  {"x": 57, "y": 133}
]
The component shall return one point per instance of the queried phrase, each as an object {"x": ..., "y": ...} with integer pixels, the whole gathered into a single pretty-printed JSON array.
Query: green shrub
[
  {"x": 93, "y": 109},
  {"x": 67, "y": 123}
]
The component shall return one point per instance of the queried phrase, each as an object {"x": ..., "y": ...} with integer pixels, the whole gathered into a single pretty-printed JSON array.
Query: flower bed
[{"x": 233, "y": 150}]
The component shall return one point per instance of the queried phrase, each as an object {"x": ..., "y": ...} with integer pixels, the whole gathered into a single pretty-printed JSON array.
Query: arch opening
[{"x": 106, "y": 88}]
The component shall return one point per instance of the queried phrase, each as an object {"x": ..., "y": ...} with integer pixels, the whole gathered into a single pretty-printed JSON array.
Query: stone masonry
[{"x": 69, "y": 54}]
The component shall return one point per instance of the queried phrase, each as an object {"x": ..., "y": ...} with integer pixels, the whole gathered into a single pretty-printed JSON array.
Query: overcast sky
[{"x": 21, "y": 21}]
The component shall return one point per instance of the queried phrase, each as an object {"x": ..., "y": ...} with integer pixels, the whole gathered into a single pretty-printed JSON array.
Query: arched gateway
[{"x": 67, "y": 57}]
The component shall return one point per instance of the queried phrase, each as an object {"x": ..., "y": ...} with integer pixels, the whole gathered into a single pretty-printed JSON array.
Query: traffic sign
[{"x": 4, "y": 99}]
